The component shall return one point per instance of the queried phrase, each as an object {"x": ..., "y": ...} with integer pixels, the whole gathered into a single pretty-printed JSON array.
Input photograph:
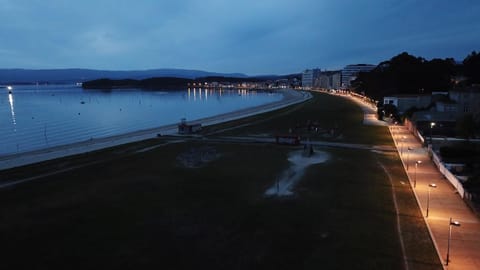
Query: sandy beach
[{"x": 15, "y": 160}]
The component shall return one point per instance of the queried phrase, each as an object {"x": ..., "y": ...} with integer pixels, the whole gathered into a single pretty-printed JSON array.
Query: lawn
[
  {"x": 148, "y": 210},
  {"x": 329, "y": 113}
]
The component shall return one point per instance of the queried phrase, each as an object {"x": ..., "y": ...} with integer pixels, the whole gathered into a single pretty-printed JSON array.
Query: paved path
[
  {"x": 369, "y": 112},
  {"x": 443, "y": 203},
  {"x": 369, "y": 109}
]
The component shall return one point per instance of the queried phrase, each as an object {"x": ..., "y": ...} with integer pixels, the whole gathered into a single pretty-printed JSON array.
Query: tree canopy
[
  {"x": 471, "y": 66},
  {"x": 406, "y": 74}
]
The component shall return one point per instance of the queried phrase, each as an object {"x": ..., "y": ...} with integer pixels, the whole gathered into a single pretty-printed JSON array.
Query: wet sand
[{"x": 15, "y": 160}]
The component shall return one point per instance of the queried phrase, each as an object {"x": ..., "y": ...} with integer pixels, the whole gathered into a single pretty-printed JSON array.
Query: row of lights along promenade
[{"x": 454, "y": 227}]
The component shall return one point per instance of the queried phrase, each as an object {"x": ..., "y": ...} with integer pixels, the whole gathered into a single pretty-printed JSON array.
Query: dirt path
[{"x": 299, "y": 163}]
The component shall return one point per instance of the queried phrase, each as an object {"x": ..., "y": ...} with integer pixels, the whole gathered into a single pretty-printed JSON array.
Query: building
[
  {"x": 185, "y": 128},
  {"x": 350, "y": 73},
  {"x": 309, "y": 76},
  {"x": 336, "y": 80},
  {"x": 405, "y": 102},
  {"x": 467, "y": 101},
  {"x": 328, "y": 80},
  {"x": 323, "y": 81}
]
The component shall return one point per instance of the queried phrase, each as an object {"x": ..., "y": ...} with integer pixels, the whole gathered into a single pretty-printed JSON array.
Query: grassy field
[
  {"x": 148, "y": 210},
  {"x": 328, "y": 112}
]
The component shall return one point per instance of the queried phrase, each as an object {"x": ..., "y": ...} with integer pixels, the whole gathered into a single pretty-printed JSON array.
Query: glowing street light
[
  {"x": 415, "y": 175},
  {"x": 408, "y": 153},
  {"x": 452, "y": 223},
  {"x": 432, "y": 124},
  {"x": 430, "y": 186}
]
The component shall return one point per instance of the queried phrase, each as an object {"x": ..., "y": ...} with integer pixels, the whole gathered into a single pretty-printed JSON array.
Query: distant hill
[
  {"x": 17, "y": 76},
  {"x": 160, "y": 82}
]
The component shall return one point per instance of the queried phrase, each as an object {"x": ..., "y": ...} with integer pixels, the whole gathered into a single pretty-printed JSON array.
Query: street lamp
[
  {"x": 403, "y": 144},
  {"x": 432, "y": 124},
  {"x": 432, "y": 185},
  {"x": 452, "y": 223},
  {"x": 415, "y": 177},
  {"x": 408, "y": 152}
]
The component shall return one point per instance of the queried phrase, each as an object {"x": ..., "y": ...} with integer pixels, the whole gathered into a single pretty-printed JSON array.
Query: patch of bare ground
[{"x": 197, "y": 157}]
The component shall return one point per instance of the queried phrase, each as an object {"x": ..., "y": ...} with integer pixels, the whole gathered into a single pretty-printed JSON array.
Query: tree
[
  {"x": 472, "y": 67},
  {"x": 465, "y": 127},
  {"x": 406, "y": 74}
]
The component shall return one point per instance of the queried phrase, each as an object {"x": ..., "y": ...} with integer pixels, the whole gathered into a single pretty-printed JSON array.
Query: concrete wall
[{"x": 448, "y": 175}]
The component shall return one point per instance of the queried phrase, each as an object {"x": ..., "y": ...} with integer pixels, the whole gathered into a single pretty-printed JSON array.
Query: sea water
[{"x": 38, "y": 117}]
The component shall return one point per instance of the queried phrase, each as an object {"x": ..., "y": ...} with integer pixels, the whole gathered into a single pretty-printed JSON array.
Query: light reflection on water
[
  {"x": 12, "y": 110},
  {"x": 36, "y": 117}
]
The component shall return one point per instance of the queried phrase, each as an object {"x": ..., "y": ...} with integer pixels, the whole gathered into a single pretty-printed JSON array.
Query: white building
[
  {"x": 350, "y": 73},
  {"x": 309, "y": 76},
  {"x": 467, "y": 101},
  {"x": 405, "y": 102},
  {"x": 335, "y": 80},
  {"x": 329, "y": 80},
  {"x": 323, "y": 81}
]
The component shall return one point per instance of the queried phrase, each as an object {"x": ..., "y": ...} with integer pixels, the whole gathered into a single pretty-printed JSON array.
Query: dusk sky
[{"x": 249, "y": 36}]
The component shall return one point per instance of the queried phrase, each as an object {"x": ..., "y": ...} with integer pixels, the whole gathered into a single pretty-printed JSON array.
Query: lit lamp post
[
  {"x": 403, "y": 143},
  {"x": 401, "y": 147},
  {"x": 432, "y": 124},
  {"x": 452, "y": 223},
  {"x": 415, "y": 176},
  {"x": 430, "y": 186},
  {"x": 408, "y": 153}
]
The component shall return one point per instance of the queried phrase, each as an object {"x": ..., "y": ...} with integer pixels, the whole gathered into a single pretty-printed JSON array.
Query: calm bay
[{"x": 38, "y": 117}]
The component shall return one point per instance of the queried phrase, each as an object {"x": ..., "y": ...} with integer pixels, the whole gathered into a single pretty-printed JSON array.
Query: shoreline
[{"x": 290, "y": 97}]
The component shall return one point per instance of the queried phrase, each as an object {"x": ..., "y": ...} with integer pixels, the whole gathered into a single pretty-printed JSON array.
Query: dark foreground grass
[
  {"x": 144, "y": 211},
  {"x": 151, "y": 212}
]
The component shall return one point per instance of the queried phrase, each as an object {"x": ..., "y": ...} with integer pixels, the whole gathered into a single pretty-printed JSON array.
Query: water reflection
[
  {"x": 12, "y": 110},
  {"x": 58, "y": 112}
]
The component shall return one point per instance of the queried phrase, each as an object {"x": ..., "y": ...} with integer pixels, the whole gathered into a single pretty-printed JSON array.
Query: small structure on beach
[{"x": 185, "y": 128}]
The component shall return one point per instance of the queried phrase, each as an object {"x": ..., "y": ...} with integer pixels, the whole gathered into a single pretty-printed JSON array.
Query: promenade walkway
[{"x": 443, "y": 201}]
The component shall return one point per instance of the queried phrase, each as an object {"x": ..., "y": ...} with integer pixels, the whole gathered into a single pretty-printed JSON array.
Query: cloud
[
  {"x": 103, "y": 42},
  {"x": 268, "y": 36}
]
